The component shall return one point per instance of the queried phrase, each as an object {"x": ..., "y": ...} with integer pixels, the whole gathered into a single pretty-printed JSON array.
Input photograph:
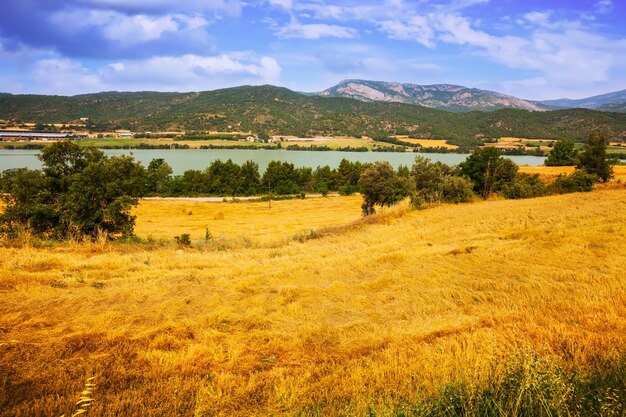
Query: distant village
[{"x": 11, "y": 131}]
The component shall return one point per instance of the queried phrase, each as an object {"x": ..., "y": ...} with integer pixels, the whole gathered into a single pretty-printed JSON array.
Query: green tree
[
  {"x": 563, "y": 153},
  {"x": 280, "y": 178},
  {"x": 593, "y": 158},
  {"x": 79, "y": 192},
  {"x": 158, "y": 176},
  {"x": 380, "y": 185},
  {"x": 225, "y": 178},
  {"x": 348, "y": 174},
  {"x": 435, "y": 181},
  {"x": 488, "y": 171},
  {"x": 250, "y": 178},
  {"x": 324, "y": 179}
]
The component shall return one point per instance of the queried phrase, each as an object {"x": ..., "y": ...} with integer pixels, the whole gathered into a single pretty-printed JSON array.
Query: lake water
[{"x": 183, "y": 159}]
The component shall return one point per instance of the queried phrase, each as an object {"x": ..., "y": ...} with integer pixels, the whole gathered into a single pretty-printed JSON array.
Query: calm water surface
[{"x": 183, "y": 159}]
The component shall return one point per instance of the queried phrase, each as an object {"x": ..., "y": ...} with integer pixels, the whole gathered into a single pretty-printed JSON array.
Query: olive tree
[{"x": 381, "y": 185}]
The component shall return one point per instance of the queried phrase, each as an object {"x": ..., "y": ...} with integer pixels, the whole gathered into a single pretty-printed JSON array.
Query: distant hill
[
  {"x": 595, "y": 102},
  {"x": 614, "y": 107},
  {"x": 276, "y": 110},
  {"x": 440, "y": 96}
]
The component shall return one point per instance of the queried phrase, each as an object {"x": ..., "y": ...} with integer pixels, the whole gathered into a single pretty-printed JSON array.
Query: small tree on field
[
  {"x": 593, "y": 158},
  {"x": 380, "y": 185},
  {"x": 563, "y": 153},
  {"x": 488, "y": 171}
]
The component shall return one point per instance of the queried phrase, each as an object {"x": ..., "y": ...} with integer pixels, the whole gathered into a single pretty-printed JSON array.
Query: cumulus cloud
[
  {"x": 417, "y": 28},
  {"x": 561, "y": 51},
  {"x": 79, "y": 32},
  {"x": 56, "y": 75},
  {"x": 134, "y": 29},
  {"x": 193, "y": 72}
]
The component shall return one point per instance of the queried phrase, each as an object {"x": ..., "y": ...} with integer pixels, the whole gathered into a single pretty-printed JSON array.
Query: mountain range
[
  {"x": 458, "y": 98},
  {"x": 279, "y": 111},
  {"x": 439, "y": 96},
  {"x": 615, "y": 101}
]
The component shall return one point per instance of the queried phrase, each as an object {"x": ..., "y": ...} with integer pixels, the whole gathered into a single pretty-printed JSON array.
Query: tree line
[{"x": 82, "y": 192}]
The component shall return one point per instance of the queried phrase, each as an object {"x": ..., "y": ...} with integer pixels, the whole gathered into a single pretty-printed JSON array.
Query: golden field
[
  {"x": 243, "y": 220},
  {"x": 427, "y": 143},
  {"x": 549, "y": 174},
  {"x": 372, "y": 318}
]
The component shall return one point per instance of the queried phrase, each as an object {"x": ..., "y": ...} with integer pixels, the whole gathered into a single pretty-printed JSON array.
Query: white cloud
[
  {"x": 559, "y": 51},
  {"x": 230, "y": 7},
  {"x": 165, "y": 73},
  {"x": 604, "y": 6},
  {"x": 127, "y": 29},
  {"x": 193, "y": 72},
  {"x": 538, "y": 18},
  {"x": 285, "y": 4},
  {"x": 62, "y": 76},
  {"x": 296, "y": 30},
  {"x": 417, "y": 28}
]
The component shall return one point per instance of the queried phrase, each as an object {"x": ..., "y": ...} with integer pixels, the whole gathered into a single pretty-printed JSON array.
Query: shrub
[
  {"x": 525, "y": 186},
  {"x": 579, "y": 181},
  {"x": 184, "y": 239},
  {"x": 457, "y": 189}
]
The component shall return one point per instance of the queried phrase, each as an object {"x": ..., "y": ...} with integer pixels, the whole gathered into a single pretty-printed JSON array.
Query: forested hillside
[{"x": 275, "y": 110}]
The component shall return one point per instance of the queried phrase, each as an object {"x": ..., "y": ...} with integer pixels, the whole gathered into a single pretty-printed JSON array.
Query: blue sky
[{"x": 528, "y": 48}]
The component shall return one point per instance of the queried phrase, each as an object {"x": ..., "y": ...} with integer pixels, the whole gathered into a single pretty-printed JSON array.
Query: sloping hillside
[{"x": 281, "y": 111}]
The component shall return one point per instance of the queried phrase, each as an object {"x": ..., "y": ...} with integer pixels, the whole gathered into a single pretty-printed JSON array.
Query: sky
[{"x": 532, "y": 49}]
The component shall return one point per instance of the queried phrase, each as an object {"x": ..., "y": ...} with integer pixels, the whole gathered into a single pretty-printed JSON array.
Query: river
[{"x": 184, "y": 159}]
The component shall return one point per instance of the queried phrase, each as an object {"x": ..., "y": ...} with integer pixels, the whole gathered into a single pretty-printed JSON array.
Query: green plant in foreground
[{"x": 184, "y": 239}]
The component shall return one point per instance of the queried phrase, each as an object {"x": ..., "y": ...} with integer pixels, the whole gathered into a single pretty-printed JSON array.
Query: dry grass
[
  {"x": 428, "y": 143},
  {"x": 373, "y": 318},
  {"x": 250, "y": 220},
  {"x": 523, "y": 140},
  {"x": 551, "y": 173},
  {"x": 339, "y": 142}
]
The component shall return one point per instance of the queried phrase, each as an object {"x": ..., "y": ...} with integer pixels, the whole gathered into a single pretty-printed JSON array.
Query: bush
[
  {"x": 525, "y": 186},
  {"x": 380, "y": 185},
  {"x": 457, "y": 189},
  {"x": 579, "y": 181},
  {"x": 184, "y": 239}
]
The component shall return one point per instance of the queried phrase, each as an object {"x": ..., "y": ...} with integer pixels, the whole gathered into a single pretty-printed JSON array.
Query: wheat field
[
  {"x": 260, "y": 221},
  {"x": 395, "y": 315}
]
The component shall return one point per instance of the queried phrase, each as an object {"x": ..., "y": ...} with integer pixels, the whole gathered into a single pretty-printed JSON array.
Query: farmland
[{"x": 518, "y": 304}]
